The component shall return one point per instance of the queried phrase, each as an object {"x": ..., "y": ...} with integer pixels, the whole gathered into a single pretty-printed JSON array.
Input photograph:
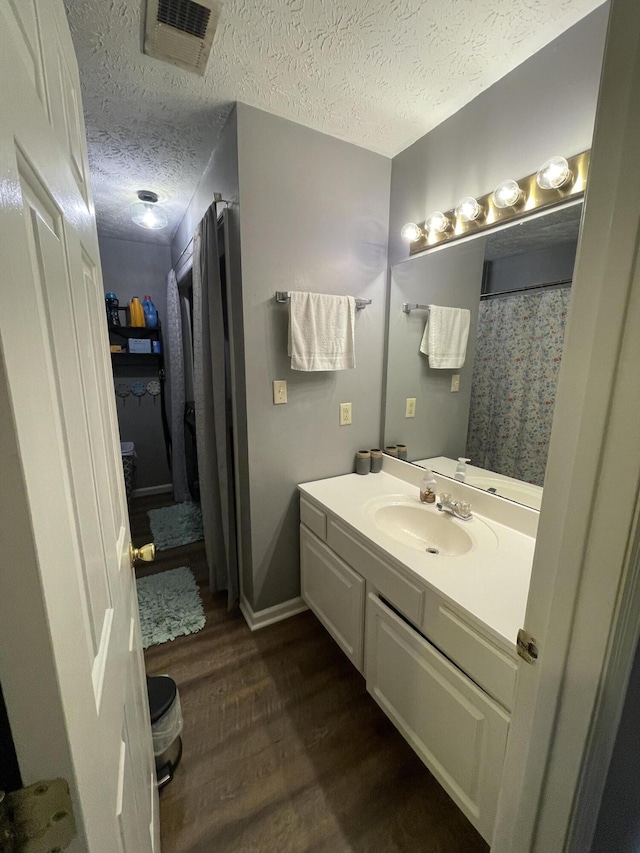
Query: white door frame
[{"x": 580, "y": 607}]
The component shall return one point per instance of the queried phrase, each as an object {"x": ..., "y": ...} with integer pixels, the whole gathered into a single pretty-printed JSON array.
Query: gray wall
[
  {"x": 133, "y": 269},
  {"x": 221, "y": 175},
  {"x": 314, "y": 215},
  {"x": 530, "y": 269},
  {"x": 453, "y": 277},
  {"x": 618, "y": 825},
  {"x": 546, "y": 106}
]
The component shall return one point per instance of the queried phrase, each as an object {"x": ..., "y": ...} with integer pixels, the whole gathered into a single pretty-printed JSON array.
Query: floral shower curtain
[{"x": 518, "y": 353}]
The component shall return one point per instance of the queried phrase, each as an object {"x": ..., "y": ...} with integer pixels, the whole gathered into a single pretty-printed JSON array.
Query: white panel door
[{"x": 71, "y": 663}]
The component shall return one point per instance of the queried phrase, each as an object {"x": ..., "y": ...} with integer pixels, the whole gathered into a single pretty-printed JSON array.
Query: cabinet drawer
[
  {"x": 490, "y": 667},
  {"x": 335, "y": 593},
  {"x": 407, "y": 596},
  {"x": 314, "y": 518},
  {"x": 458, "y": 732}
]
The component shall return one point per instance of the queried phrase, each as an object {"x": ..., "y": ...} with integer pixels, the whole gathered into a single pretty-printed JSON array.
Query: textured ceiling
[{"x": 378, "y": 73}]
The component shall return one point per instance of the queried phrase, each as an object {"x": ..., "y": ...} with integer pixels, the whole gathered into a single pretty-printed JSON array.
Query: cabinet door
[
  {"x": 455, "y": 728},
  {"x": 335, "y": 593}
]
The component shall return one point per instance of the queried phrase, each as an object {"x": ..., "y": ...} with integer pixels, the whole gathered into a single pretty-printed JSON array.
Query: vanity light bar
[{"x": 532, "y": 198}]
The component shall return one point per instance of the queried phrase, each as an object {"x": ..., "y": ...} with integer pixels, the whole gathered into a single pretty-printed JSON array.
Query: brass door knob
[{"x": 145, "y": 554}]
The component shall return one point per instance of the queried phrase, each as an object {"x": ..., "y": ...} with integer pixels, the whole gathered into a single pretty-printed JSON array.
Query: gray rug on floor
[
  {"x": 172, "y": 526},
  {"x": 170, "y": 606}
]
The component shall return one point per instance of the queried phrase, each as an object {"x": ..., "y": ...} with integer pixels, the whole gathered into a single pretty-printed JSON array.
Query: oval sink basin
[{"x": 424, "y": 529}]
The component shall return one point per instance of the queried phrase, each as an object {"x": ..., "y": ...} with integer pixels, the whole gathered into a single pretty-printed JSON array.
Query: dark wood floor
[
  {"x": 284, "y": 750},
  {"x": 188, "y": 555}
]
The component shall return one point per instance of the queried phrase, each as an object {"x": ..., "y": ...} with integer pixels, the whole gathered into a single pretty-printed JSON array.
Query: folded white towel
[
  {"x": 445, "y": 336},
  {"x": 321, "y": 331}
]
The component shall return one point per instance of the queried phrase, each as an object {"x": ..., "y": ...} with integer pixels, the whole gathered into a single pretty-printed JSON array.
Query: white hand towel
[
  {"x": 321, "y": 331},
  {"x": 445, "y": 336}
]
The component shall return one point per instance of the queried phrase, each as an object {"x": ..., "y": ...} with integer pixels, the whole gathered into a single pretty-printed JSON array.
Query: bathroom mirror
[{"x": 516, "y": 283}]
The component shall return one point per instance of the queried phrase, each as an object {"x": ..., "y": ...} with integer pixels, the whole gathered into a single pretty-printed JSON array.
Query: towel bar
[
  {"x": 408, "y": 307},
  {"x": 283, "y": 296}
]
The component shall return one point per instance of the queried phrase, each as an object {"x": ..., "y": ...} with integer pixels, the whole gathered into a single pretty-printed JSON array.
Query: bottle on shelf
[
  {"x": 150, "y": 313},
  {"x": 136, "y": 313},
  {"x": 112, "y": 303}
]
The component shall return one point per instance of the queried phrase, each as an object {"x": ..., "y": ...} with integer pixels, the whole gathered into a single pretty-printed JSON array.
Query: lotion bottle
[
  {"x": 428, "y": 488},
  {"x": 461, "y": 469}
]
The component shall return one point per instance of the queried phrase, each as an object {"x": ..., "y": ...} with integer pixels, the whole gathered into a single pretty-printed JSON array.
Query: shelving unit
[
  {"x": 135, "y": 364},
  {"x": 153, "y": 360}
]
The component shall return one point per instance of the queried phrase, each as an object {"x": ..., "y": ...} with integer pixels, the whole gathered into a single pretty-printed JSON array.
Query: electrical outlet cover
[{"x": 345, "y": 414}]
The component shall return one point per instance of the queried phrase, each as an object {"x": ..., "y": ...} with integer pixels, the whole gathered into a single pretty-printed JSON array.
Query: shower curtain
[
  {"x": 175, "y": 369},
  {"x": 213, "y": 411},
  {"x": 518, "y": 354}
]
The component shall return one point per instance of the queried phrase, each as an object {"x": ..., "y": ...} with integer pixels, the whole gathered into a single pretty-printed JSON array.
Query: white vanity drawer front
[
  {"x": 482, "y": 661},
  {"x": 457, "y": 731},
  {"x": 335, "y": 593},
  {"x": 399, "y": 590},
  {"x": 314, "y": 518}
]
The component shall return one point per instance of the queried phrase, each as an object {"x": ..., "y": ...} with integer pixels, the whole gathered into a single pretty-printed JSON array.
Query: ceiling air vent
[{"x": 181, "y": 32}]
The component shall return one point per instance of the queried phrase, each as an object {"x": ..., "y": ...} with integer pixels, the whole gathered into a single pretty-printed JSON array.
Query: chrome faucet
[{"x": 459, "y": 509}]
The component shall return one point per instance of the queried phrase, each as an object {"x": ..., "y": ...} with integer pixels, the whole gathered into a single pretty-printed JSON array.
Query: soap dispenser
[
  {"x": 461, "y": 469},
  {"x": 428, "y": 488}
]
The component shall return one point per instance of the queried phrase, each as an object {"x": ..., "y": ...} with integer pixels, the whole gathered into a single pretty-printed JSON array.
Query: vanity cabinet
[
  {"x": 335, "y": 593},
  {"x": 455, "y": 728},
  {"x": 447, "y": 687}
]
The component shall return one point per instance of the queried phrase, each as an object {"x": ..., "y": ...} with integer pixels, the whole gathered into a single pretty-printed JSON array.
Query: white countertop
[{"x": 491, "y": 586}]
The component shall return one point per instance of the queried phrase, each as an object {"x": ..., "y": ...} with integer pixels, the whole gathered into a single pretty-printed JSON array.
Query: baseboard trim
[
  {"x": 152, "y": 490},
  {"x": 261, "y": 618}
]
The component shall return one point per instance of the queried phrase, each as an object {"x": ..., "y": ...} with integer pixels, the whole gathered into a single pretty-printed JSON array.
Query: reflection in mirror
[{"x": 515, "y": 282}]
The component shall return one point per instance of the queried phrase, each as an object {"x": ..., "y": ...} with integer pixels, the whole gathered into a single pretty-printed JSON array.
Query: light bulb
[
  {"x": 411, "y": 232},
  {"x": 148, "y": 215},
  {"x": 468, "y": 209},
  {"x": 553, "y": 174},
  {"x": 437, "y": 223},
  {"x": 507, "y": 194}
]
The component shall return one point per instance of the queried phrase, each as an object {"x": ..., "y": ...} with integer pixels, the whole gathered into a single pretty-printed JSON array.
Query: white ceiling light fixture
[
  {"x": 553, "y": 174},
  {"x": 411, "y": 232},
  {"x": 147, "y": 213},
  {"x": 437, "y": 223},
  {"x": 468, "y": 209},
  {"x": 507, "y": 194}
]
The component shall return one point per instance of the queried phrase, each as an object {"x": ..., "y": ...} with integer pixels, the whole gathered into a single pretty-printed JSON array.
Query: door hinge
[
  {"x": 527, "y": 646},
  {"x": 37, "y": 819}
]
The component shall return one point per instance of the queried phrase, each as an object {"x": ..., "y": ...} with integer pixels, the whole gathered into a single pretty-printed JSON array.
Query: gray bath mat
[
  {"x": 170, "y": 606},
  {"x": 172, "y": 526}
]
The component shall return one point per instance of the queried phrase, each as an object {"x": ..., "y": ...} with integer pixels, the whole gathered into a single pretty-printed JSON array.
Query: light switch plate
[
  {"x": 345, "y": 414},
  {"x": 410, "y": 408},
  {"x": 279, "y": 391},
  {"x": 455, "y": 382}
]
